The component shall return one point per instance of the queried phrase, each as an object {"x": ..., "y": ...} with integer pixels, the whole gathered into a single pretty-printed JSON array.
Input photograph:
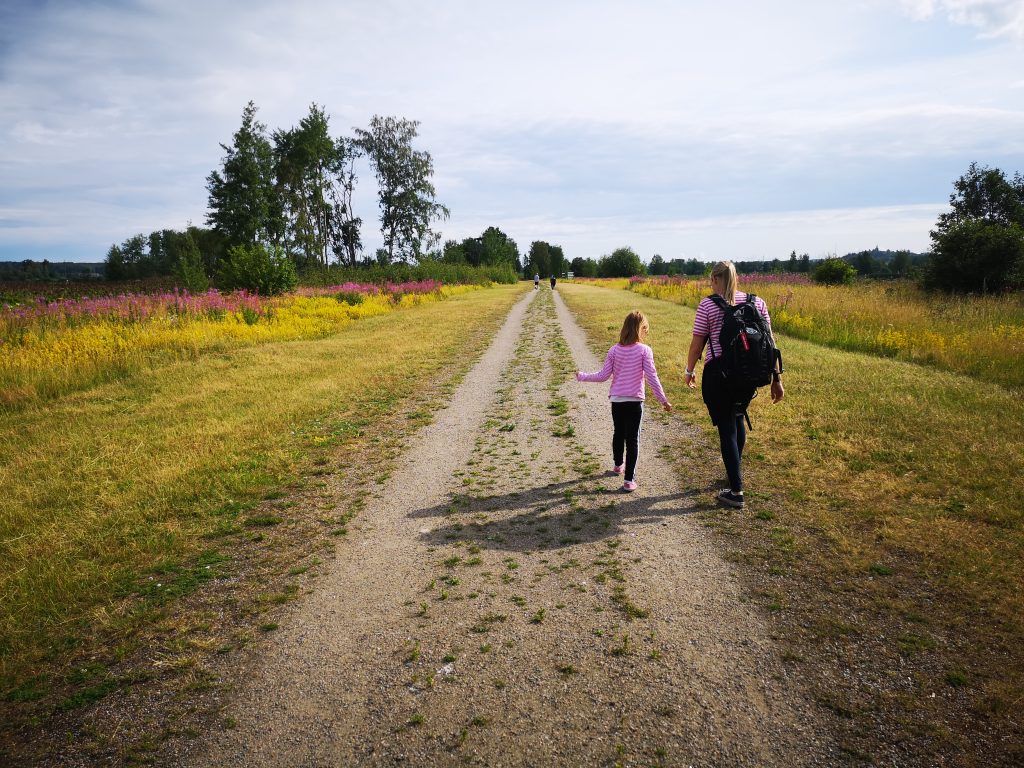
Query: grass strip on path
[
  {"x": 163, "y": 469},
  {"x": 883, "y": 529}
]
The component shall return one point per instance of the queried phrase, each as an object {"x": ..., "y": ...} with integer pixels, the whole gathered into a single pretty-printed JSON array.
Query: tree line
[{"x": 281, "y": 203}]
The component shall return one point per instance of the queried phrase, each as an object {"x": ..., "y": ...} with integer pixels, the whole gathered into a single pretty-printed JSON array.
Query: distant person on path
[
  {"x": 628, "y": 363},
  {"x": 726, "y": 410},
  {"x": 536, "y": 282},
  {"x": 552, "y": 282}
]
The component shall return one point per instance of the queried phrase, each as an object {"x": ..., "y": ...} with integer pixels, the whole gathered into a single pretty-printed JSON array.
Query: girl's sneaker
[
  {"x": 629, "y": 486},
  {"x": 617, "y": 469},
  {"x": 730, "y": 499}
]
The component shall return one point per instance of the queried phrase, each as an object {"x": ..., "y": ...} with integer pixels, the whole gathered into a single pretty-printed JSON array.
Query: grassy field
[
  {"x": 134, "y": 492},
  {"x": 55, "y": 347},
  {"x": 979, "y": 335},
  {"x": 885, "y": 529}
]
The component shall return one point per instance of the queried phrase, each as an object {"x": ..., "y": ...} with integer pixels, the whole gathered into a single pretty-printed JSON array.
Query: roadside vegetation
[
  {"x": 55, "y": 347},
  {"x": 885, "y": 529},
  {"x": 128, "y": 495}
]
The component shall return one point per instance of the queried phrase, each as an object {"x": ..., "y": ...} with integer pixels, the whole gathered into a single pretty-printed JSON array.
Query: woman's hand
[
  {"x": 778, "y": 392},
  {"x": 691, "y": 380}
]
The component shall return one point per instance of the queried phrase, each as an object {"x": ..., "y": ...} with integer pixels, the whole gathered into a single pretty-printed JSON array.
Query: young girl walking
[{"x": 628, "y": 363}]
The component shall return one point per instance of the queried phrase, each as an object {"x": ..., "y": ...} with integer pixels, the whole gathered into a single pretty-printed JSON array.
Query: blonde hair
[
  {"x": 725, "y": 271},
  {"x": 632, "y": 327}
]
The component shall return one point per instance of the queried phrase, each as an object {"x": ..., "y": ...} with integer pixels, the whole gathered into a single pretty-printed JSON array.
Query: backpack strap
[{"x": 723, "y": 305}]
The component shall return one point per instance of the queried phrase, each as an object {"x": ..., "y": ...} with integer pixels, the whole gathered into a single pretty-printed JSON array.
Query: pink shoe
[
  {"x": 617, "y": 469},
  {"x": 629, "y": 486}
]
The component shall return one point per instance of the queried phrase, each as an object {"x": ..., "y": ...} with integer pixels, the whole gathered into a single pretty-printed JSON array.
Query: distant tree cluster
[
  {"x": 622, "y": 262},
  {"x": 194, "y": 252},
  {"x": 47, "y": 270},
  {"x": 493, "y": 248},
  {"x": 978, "y": 246},
  {"x": 281, "y": 203},
  {"x": 545, "y": 259}
]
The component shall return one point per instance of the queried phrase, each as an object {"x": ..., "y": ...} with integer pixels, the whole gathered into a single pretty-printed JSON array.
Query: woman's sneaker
[
  {"x": 629, "y": 486},
  {"x": 730, "y": 499},
  {"x": 617, "y": 469}
]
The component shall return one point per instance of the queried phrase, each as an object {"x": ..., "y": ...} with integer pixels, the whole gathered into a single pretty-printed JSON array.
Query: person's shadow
[{"x": 554, "y": 516}]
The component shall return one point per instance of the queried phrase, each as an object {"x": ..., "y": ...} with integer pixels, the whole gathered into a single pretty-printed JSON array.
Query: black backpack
[{"x": 748, "y": 350}]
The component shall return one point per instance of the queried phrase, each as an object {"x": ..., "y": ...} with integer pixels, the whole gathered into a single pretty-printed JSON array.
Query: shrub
[
  {"x": 834, "y": 272},
  {"x": 189, "y": 268},
  {"x": 254, "y": 268},
  {"x": 976, "y": 255}
]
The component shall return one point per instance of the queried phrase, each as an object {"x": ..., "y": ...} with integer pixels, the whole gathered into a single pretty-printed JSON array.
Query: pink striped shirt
[
  {"x": 628, "y": 366},
  {"x": 709, "y": 321}
]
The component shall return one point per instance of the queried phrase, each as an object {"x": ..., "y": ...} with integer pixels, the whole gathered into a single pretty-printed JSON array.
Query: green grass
[
  {"x": 109, "y": 485},
  {"x": 876, "y": 473}
]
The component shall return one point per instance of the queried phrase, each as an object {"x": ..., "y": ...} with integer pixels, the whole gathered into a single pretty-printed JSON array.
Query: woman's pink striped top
[
  {"x": 708, "y": 321},
  {"x": 628, "y": 366}
]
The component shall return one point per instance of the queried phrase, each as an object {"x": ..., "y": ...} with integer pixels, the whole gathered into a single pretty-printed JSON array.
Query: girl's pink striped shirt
[{"x": 629, "y": 366}]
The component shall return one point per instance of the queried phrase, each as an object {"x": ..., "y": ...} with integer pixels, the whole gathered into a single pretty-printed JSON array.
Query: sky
[{"x": 719, "y": 129}]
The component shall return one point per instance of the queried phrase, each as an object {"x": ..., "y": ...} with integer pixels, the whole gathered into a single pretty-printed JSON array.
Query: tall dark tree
[
  {"x": 114, "y": 267},
  {"x": 978, "y": 245},
  {"x": 307, "y": 165},
  {"x": 559, "y": 264},
  {"x": 658, "y": 265},
  {"x": 243, "y": 205},
  {"x": 499, "y": 248},
  {"x": 538, "y": 260},
  {"x": 408, "y": 200}
]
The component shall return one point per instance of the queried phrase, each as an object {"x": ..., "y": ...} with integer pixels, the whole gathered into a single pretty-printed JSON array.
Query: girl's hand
[
  {"x": 667, "y": 407},
  {"x": 579, "y": 375}
]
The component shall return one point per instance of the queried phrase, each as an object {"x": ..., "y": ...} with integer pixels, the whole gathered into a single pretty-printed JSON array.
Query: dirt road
[{"x": 503, "y": 603}]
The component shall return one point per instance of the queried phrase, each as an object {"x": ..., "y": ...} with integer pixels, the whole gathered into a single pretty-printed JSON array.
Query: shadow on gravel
[{"x": 554, "y": 516}]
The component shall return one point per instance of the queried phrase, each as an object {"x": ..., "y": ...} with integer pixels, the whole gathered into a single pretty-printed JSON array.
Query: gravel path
[{"x": 502, "y": 603}]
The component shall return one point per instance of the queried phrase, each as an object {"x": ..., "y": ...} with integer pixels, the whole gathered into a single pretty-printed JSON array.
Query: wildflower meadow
[
  {"x": 53, "y": 347},
  {"x": 982, "y": 336}
]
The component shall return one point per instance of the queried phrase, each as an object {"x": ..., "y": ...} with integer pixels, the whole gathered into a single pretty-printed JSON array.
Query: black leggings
[
  {"x": 626, "y": 418},
  {"x": 727, "y": 415}
]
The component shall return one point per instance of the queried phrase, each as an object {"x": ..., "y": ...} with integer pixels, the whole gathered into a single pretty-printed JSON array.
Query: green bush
[
  {"x": 834, "y": 272},
  {"x": 254, "y": 268}
]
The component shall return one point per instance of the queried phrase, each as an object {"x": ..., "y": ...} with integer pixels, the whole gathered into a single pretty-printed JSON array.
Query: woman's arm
[{"x": 696, "y": 347}]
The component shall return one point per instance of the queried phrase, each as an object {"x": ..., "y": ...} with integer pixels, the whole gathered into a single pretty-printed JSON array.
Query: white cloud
[{"x": 995, "y": 18}]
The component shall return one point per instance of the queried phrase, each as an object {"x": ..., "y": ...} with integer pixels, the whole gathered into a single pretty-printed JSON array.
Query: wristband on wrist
[{"x": 688, "y": 372}]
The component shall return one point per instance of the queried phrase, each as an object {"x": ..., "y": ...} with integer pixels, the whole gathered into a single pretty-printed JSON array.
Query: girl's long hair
[
  {"x": 634, "y": 323},
  {"x": 725, "y": 271}
]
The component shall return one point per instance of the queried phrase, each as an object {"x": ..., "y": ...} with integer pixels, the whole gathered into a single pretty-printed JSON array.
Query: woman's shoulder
[{"x": 706, "y": 303}]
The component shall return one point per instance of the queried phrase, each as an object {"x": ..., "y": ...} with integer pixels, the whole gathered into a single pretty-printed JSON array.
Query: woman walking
[
  {"x": 628, "y": 363},
  {"x": 727, "y": 410}
]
